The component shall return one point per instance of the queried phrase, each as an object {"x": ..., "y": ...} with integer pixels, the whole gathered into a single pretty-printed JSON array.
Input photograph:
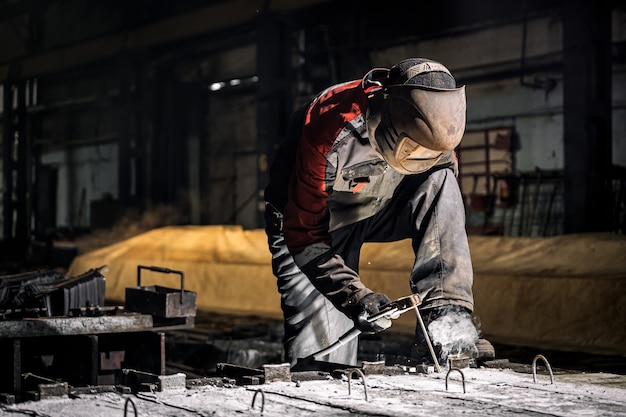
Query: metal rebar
[
  {"x": 430, "y": 345},
  {"x": 128, "y": 400},
  {"x": 362, "y": 375},
  {"x": 462, "y": 377},
  {"x": 545, "y": 361},
  {"x": 43, "y": 378},
  {"x": 262, "y": 399}
]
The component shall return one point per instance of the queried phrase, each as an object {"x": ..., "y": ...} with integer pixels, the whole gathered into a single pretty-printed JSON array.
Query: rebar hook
[
  {"x": 360, "y": 373},
  {"x": 462, "y": 377},
  {"x": 128, "y": 400},
  {"x": 262, "y": 399},
  {"x": 545, "y": 361}
]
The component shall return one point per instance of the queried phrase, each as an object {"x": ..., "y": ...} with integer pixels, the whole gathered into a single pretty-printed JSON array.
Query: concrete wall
[
  {"x": 84, "y": 174},
  {"x": 535, "y": 114}
]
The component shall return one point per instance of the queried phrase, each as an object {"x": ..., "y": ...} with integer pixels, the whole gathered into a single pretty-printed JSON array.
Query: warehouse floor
[
  {"x": 488, "y": 393},
  {"x": 582, "y": 384},
  {"x": 561, "y": 298},
  {"x": 504, "y": 391}
]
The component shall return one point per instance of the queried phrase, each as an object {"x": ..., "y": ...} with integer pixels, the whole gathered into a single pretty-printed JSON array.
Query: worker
[{"x": 369, "y": 160}]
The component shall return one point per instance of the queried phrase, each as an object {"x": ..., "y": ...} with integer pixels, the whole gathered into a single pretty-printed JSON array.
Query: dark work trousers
[{"x": 426, "y": 208}]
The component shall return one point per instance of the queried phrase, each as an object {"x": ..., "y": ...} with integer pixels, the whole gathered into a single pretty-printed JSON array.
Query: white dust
[{"x": 455, "y": 333}]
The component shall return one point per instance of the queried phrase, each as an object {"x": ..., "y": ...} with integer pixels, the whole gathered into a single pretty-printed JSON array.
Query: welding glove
[{"x": 367, "y": 307}]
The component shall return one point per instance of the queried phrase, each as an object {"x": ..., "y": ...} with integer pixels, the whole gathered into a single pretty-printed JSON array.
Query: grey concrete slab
[{"x": 488, "y": 392}]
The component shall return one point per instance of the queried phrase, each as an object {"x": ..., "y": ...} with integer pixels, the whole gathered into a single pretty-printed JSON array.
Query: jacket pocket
[{"x": 370, "y": 178}]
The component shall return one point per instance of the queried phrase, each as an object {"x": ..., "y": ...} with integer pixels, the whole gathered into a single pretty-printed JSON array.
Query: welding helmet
[{"x": 416, "y": 116}]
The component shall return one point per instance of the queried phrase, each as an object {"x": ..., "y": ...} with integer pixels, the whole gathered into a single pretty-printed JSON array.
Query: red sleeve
[{"x": 306, "y": 212}]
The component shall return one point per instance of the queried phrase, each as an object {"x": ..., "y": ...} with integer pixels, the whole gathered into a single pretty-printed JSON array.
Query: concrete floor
[
  {"x": 507, "y": 390},
  {"x": 501, "y": 387},
  {"x": 488, "y": 392}
]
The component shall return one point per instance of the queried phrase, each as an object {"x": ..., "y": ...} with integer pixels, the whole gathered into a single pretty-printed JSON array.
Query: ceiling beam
[{"x": 199, "y": 22}]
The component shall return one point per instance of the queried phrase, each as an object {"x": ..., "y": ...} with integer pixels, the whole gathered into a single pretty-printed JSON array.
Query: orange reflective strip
[{"x": 358, "y": 187}]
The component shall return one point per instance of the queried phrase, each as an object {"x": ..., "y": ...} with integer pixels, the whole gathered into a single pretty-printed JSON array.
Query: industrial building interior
[{"x": 138, "y": 135}]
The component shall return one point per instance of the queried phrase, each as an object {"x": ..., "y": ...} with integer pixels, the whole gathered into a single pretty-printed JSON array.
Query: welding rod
[{"x": 430, "y": 346}]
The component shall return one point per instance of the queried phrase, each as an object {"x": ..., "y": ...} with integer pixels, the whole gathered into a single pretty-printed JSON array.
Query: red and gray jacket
[{"x": 338, "y": 179}]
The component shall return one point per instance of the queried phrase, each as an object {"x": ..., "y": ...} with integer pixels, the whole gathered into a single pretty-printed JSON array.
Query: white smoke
[{"x": 454, "y": 332}]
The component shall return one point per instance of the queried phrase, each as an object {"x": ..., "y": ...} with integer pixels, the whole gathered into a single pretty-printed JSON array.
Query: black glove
[{"x": 367, "y": 307}]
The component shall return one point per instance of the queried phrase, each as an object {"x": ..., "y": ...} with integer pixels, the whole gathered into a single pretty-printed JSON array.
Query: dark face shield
[{"x": 411, "y": 127}]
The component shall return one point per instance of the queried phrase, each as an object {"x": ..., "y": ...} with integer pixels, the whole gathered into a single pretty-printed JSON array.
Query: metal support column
[
  {"x": 7, "y": 162},
  {"x": 273, "y": 103},
  {"x": 587, "y": 115},
  {"x": 127, "y": 173},
  {"x": 16, "y": 171}
]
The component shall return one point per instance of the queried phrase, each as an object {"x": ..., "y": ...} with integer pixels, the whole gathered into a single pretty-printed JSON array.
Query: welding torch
[{"x": 391, "y": 310}]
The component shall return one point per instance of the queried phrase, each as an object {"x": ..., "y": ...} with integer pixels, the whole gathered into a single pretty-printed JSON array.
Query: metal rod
[
  {"x": 262, "y": 399},
  {"x": 545, "y": 361},
  {"x": 430, "y": 346},
  {"x": 43, "y": 378},
  {"x": 128, "y": 400},
  {"x": 462, "y": 377},
  {"x": 362, "y": 375}
]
